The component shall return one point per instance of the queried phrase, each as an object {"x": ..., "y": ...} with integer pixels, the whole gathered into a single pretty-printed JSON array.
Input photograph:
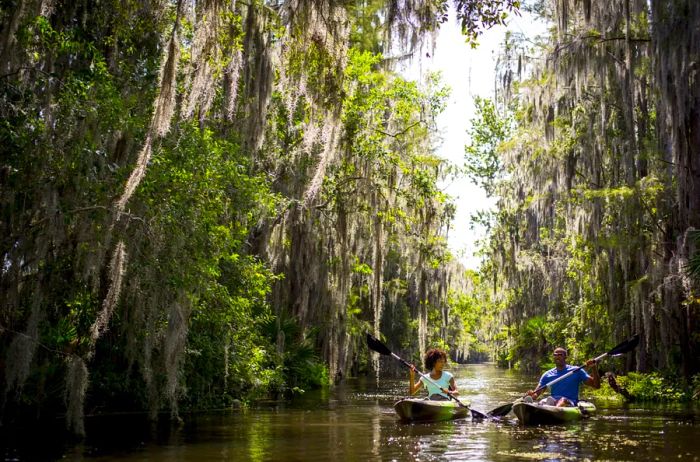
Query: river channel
[{"x": 356, "y": 422}]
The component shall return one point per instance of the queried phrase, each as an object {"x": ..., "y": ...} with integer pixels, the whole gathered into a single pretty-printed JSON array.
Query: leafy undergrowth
[{"x": 650, "y": 387}]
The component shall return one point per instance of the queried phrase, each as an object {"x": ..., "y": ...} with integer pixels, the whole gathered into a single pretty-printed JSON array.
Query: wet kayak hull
[
  {"x": 539, "y": 414},
  {"x": 425, "y": 410}
]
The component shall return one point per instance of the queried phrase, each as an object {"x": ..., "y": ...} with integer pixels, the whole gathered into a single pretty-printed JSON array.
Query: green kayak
[
  {"x": 540, "y": 414},
  {"x": 425, "y": 410}
]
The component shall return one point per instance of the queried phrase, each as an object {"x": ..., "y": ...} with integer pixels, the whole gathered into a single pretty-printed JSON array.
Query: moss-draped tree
[
  {"x": 598, "y": 203},
  {"x": 205, "y": 201}
]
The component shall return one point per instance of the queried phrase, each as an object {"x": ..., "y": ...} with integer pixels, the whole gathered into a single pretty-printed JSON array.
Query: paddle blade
[
  {"x": 374, "y": 344},
  {"x": 478, "y": 415},
  {"x": 501, "y": 411},
  {"x": 625, "y": 347}
]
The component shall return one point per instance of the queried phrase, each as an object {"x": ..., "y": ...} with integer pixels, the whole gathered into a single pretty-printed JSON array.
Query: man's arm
[
  {"x": 541, "y": 386},
  {"x": 594, "y": 379}
]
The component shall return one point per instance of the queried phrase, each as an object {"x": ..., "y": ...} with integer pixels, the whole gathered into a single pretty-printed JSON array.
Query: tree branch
[{"x": 397, "y": 134}]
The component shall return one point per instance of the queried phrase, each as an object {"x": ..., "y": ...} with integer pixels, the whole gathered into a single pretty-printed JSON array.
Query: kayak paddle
[
  {"x": 374, "y": 344},
  {"x": 622, "y": 348}
]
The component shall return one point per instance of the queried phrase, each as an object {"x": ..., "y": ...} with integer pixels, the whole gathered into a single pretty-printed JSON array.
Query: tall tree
[
  {"x": 173, "y": 216},
  {"x": 592, "y": 230}
]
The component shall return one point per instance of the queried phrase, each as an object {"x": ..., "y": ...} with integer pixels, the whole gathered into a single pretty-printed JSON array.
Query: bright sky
[{"x": 469, "y": 73}]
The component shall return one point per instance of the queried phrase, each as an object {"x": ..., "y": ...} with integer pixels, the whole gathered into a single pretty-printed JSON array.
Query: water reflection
[
  {"x": 259, "y": 437},
  {"x": 356, "y": 422}
]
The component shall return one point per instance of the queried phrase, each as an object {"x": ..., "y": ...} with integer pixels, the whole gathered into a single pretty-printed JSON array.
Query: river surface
[{"x": 356, "y": 422}]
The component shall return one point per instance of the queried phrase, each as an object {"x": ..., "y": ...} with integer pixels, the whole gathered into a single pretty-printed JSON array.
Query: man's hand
[{"x": 594, "y": 379}]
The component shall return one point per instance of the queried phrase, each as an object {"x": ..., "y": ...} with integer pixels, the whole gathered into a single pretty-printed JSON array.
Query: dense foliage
[
  {"x": 594, "y": 237},
  {"x": 209, "y": 202}
]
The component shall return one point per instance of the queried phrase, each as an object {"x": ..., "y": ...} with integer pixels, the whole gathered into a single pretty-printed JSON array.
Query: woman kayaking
[
  {"x": 435, "y": 360},
  {"x": 565, "y": 392}
]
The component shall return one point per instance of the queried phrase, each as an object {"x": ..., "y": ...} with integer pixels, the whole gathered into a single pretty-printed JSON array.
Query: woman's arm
[
  {"x": 453, "y": 388},
  {"x": 412, "y": 386}
]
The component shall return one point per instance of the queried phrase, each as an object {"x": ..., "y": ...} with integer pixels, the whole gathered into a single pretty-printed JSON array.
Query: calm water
[{"x": 356, "y": 421}]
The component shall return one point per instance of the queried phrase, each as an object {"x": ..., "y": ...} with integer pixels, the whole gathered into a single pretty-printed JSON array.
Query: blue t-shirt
[
  {"x": 443, "y": 381},
  {"x": 567, "y": 388}
]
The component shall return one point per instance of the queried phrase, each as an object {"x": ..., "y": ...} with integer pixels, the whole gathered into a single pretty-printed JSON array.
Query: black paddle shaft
[{"x": 376, "y": 345}]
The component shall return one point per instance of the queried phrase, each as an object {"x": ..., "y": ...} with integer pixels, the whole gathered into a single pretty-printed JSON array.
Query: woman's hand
[{"x": 413, "y": 387}]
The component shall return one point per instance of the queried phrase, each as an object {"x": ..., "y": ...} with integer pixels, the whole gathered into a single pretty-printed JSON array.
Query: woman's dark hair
[{"x": 432, "y": 355}]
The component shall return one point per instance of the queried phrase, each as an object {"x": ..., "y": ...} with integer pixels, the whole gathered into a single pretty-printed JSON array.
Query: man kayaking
[
  {"x": 565, "y": 392},
  {"x": 435, "y": 360}
]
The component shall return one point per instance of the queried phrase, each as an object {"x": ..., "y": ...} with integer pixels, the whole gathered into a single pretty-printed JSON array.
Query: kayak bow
[
  {"x": 541, "y": 414},
  {"x": 426, "y": 410}
]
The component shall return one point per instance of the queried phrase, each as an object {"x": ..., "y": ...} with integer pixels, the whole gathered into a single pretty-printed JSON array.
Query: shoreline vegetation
[{"x": 650, "y": 387}]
